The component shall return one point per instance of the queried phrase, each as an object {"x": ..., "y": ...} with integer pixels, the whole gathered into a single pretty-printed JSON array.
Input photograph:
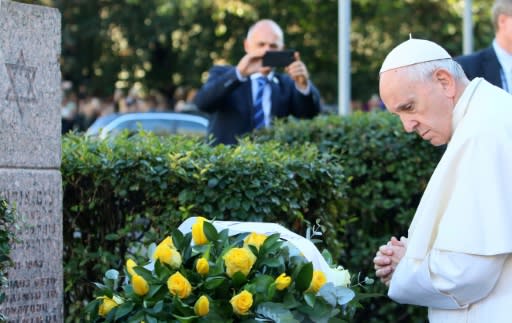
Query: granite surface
[
  {"x": 35, "y": 282},
  {"x": 30, "y": 90},
  {"x": 30, "y": 157}
]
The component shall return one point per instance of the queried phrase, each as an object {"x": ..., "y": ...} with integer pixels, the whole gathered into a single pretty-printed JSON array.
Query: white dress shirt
[
  {"x": 505, "y": 60},
  {"x": 267, "y": 92}
]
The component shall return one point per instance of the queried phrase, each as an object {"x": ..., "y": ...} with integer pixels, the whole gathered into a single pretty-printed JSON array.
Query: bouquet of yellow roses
[{"x": 227, "y": 276}]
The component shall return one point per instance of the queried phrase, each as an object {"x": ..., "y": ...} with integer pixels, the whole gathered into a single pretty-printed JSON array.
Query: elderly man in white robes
[{"x": 457, "y": 258}]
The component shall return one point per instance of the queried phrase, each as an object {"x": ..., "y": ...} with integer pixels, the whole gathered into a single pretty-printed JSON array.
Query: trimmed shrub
[
  {"x": 120, "y": 194},
  {"x": 362, "y": 175}
]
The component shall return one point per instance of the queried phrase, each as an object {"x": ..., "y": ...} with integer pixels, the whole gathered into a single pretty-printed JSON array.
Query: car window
[
  {"x": 190, "y": 127},
  {"x": 159, "y": 127},
  {"x": 99, "y": 123},
  {"x": 130, "y": 125},
  {"x": 160, "y": 124}
]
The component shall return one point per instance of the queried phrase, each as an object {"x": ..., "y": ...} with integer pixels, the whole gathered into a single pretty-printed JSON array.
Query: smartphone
[{"x": 279, "y": 58}]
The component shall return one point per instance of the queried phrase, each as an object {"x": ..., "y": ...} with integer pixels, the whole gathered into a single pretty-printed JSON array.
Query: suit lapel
[
  {"x": 491, "y": 67},
  {"x": 245, "y": 98}
]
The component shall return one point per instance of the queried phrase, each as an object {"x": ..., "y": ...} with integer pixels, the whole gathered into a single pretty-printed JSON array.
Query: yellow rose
[
  {"x": 140, "y": 285},
  {"x": 129, "y": 267},
  {"x": 197, "y": 231},
  {"x": 241, "y": 302},
  {"x": 239, "y": 260},
  {"x": 179, "y": 285},
  {"x": 202, "y": 306},
  {"x": 168, "y": 241},
  {"x": 202, "y": 266},
  {"x": 106, "y": 305},
  {"x": 317, "y": 281},
  {"x": 255, "y": 239},
  {"x": 167, "y": 255},
  {"x": 283, "y": 281}
]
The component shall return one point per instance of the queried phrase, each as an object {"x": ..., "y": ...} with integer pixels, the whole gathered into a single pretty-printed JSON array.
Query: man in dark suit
[
  {"x": 483, "y": 63},
  {"x": 247, "y": 96},
  {"x": 494, "y": 63}
]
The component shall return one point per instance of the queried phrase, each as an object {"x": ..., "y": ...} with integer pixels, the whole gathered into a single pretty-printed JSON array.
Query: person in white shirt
[{"x": 456, "y": 259}]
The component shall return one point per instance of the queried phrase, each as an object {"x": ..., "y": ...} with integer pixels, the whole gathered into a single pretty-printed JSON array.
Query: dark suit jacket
[
  {"x": 229, "y": 102},
  {"x": 483, "y": 63}
]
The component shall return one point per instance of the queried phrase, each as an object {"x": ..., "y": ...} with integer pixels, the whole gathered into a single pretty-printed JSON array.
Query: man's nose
[{"x": 409, "y": 125}]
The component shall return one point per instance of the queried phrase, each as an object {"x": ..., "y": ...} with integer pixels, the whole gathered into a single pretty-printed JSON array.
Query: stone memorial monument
[{"x": 30, "y": 155}]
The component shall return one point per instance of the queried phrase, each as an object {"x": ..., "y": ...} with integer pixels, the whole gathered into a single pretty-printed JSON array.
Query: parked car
[{"x": 161, "y": 123}]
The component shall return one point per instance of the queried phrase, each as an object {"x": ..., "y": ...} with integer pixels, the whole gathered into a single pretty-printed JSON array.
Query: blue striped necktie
[{"x": 258, "y": 117}]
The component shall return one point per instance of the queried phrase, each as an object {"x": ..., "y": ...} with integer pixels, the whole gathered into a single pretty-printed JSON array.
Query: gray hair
[
  {"x": 272, "y": 23},
  {"x": 424, "y": 71},
  {"x": 500, "y": 7}
]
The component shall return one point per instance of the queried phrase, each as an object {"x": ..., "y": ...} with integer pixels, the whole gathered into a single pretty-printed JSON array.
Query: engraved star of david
[{"x": 22, "y": 78}]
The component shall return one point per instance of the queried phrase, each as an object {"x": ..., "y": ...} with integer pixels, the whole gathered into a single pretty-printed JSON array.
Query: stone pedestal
[{"x": 30, "y": 179}]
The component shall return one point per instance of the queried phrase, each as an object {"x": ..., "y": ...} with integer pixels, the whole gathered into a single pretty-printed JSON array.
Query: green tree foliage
[{"x": 168, "y": 43}]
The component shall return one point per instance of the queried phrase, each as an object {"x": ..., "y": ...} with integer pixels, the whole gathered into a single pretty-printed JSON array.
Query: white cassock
[{"x": 458, "y": 260}]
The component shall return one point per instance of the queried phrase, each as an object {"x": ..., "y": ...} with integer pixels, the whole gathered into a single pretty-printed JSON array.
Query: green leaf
[
  {"x": 310, "y": 299},
  {"x": 303, "y": 279},
  {"x": 214, "y": 282},
  {"x": 272, "y": 262},
  {"x": 290, "y": 302},
  {"x": 185, "y": 319},
  {"x": 328, "y": 293},
  {"x": 112, "y": 274},
  {"x": 112, "y": 237},
  {"x": 271, "y": 240},
  {"x": 262, "y": 283},
  {"x": 158, "y": 306},
  {"x": 238, "y": 279},
  {"x": 93, "y": 306},
  {"x": 123, "y": 309},
  {"x": 271, "y": 291},
  {"x": 275, "y": 312},
  {"x": 150, "y": 319},
  {"x": 210, "y": 231},
  {"x": 178, "y": 239},
  {"x": 344, "y": 295},
  {"x": 100, "y": 286},
  {"x": 327, "y": 256},
  {"x": 137, "y": 318},
  {"x": 156, "y": 290}
]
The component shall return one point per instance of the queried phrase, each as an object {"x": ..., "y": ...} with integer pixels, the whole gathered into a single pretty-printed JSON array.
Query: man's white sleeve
[{"x": 446, "y": 280}]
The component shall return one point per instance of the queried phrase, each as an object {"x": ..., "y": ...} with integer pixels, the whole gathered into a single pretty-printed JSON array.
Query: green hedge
[
  {"x": 7, "y": 218},
  {"x": 121, "y": 194},
  {"x": 362, "y": 175},
  {"x": 387, "y": 170}
]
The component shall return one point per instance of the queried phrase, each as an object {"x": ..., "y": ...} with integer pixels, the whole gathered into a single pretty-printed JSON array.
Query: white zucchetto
[{"x": 413, "y": 51}]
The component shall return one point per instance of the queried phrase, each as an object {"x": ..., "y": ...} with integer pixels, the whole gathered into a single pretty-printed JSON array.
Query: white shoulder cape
[{"x": 467, "y": 205}]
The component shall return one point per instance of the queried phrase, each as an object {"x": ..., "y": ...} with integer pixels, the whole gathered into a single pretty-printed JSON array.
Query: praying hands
[{"x": 388, "y": 257}]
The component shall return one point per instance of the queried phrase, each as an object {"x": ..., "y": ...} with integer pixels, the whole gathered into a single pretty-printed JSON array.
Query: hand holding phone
[{"x": 280, "y": 58}]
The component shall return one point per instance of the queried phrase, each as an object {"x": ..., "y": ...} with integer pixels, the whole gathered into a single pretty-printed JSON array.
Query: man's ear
[
  {"x": 502, "y": 20},
  {"x": 446, "y": 81},
  {"x": 245, "y": 45}
]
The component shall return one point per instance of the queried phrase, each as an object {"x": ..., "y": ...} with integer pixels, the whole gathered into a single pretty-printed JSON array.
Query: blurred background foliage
[{"x": 163, "y": 44}]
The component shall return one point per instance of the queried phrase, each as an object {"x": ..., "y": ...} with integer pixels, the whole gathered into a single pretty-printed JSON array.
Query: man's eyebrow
[{"x": 403, "y": 107}]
